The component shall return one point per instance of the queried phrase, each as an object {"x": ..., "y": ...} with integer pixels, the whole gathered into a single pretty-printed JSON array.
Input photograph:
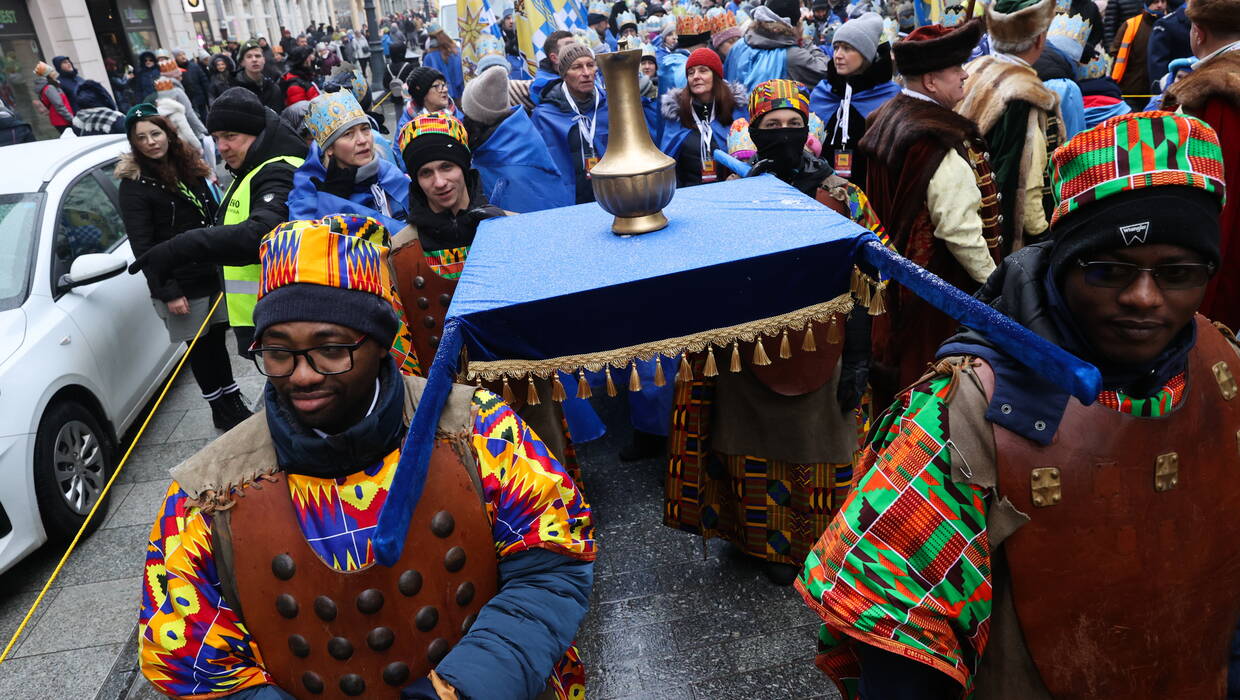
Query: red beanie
[{"x": 705, "y": 57}]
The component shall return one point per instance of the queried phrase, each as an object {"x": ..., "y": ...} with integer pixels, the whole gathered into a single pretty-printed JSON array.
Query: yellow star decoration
[{"x": 472, "y": 26}]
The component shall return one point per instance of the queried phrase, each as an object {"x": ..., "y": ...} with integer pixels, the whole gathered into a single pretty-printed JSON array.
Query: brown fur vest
[{"x": 1218, "y": 79}]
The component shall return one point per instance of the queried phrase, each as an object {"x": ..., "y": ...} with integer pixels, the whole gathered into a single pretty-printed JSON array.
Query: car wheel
[{"x": 72, "y": 463}]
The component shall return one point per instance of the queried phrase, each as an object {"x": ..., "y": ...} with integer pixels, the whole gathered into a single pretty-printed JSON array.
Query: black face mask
[{"x": 782, "y": 146}]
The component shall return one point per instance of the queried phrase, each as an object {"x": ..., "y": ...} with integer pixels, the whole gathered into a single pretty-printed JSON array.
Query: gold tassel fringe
[
  {"x": 509, "y": 397},
  {"x": 710, "y": 369},
  {"x": 685, "y": 373},
  {"x": 659, "y": 378},
  {"x": 583, "y": 387},
  {"x": 808, "y": 345},
  {"x": 611, "y": 385},
  {"x": 531, "y": 392},
  {"x": 736, "y": 357},
  {"x": 835, "y": 331},
  {"x": 557, "y": 389},
  {"x": 635, "y": 381},
  {"x": 759, "y": 353},
  {"x": 877, "y": 306},
  {"x": 785, "y": 347}
]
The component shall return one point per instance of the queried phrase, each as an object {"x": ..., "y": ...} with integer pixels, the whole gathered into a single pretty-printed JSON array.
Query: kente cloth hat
[
  {"x": 1017, "y": 21},
  {"x": 433, "y": 136},
  {"x": 331, "y": 114},
  {"x": 330, "y": 270},
  {"x": 935, "y": 47},
  {"x": 138, "y": 112},
  {"x": 778, "y": 94},
  {"x": 1136, "y": 152}
]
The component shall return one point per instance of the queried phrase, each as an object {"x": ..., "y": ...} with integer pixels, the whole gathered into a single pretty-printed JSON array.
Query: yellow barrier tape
[{"x": 107, "y": 487}]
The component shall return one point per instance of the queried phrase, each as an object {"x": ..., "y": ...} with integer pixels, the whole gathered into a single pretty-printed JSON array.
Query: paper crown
[
  {"x": 689, "y": 25},
  {"x": 649, "y": 27},
  {"x": 1133, "y": 152},
  {"x": 626, "y": 18},
  {"x": 648, "y": 51},
  {"x": 162, "y": 84},
  {"x": 778, "y": 94},
  {"x": 720, "y": 19},
  {"x": 488, "y": 44},
  {"x": 433, "y": 123},
  {"x": 1068, "y": 33},
  {"x": 1099, "y": 67},
  {"x": 343, "y": 251},
  {"x": 739, "y": 142},
  {"x": 330, "y": 112}
]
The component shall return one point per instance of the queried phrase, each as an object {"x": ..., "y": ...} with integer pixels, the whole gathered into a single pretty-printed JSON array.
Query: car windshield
[{"x": 19, "y": 217}]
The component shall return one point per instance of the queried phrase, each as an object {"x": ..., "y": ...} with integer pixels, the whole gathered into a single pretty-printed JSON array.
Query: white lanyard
[
  {"x": 707, "y": 134},
  {"x": 381, "y": 200},
  {"x": 583, "y": 123},
  {"x": 841, "y": 117}
]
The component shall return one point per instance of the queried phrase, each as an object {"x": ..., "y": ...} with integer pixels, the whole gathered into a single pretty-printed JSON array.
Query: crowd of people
[{"x": 927, "y": 495}]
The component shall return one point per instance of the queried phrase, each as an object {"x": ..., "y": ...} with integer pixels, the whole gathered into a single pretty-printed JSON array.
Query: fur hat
[
  {"x": 1221, "y": 16},
  {"x": 936, "y": 47},
  {"x": 485, "y": 99},
  {"x": 1010, "y": 22},
  {"x": 571, "y": 53}
]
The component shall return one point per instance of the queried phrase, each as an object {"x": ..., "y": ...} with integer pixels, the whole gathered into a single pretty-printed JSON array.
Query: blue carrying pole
[
  {"x": 1050, "y": 361},
  {"x": 731, "y": 163}
]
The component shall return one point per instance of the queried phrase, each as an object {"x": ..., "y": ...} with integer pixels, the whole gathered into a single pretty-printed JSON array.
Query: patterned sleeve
[
  {"x": 530, "y": 498},
  {"x": 905, "y": 564},
  {"x": 190, "y": 643}
]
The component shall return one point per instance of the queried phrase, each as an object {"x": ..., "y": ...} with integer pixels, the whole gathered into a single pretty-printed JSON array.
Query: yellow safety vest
[{"x": 241, "y": 283}]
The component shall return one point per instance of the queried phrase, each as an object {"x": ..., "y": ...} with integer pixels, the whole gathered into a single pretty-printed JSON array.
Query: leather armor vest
[
  {"x": 325, "y": 633},
  {"x": 425, "y": 296},
  {"x": 1124, "y": 580}
]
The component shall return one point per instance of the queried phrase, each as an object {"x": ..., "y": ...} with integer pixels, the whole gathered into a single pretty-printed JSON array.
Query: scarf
[
  {"x": 300, "y": 450},
  {"x": 448, "y": 229}
]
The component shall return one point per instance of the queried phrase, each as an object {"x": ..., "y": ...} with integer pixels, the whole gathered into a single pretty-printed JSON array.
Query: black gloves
[
  {"x": 855, "y": 362},
  {"x": 157, "y": 262}
]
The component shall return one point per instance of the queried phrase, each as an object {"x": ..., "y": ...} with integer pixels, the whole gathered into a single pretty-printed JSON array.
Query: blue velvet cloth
[
  {"x": 305, "y": 201},
  {"x": 516, "y": 168},
  {"x": 451, "y": 69},
  {"x": 751, "y": 67}
]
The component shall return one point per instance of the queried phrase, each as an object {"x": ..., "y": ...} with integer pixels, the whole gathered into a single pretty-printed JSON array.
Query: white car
[{"x": 81, "y": 349}]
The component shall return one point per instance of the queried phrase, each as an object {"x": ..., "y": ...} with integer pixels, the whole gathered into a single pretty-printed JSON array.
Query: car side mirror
[{"x": 91, "y": 268}]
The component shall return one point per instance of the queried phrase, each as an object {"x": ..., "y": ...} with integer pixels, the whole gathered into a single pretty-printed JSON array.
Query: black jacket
[
  {"x": 154, "y": 213},
  {"x": 439, "y": 231},
  {"x": 237, "y": 244},
  {"x": 269, "y": 92},
  {"x": 1168, "y": 41},
  {"x": 194, "y": 80}
]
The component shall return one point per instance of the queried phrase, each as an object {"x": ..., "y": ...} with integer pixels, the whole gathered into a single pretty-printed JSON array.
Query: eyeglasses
[
  {"x": 439, "y": 85},
  {"x": 1118, "y": 275},
  {"x": 329, "y": 359}
]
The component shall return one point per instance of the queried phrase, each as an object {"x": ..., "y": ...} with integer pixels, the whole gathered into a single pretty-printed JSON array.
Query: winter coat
[
  {"x": 144, "y": 78},
  {"x": 218, "y": 82},
  {"x": 1134, "y": 76},
  {"x": 554, "y": 119},
  {"x": 69, "y": 81},
  {"x": 177, "y": 116},
  {"x": 55, "y": 100},
  {"x": 806, "y": 65},
  {"x": 13, "y": 130},
  {"x": 297, "y": 87},
  {"x": 194, "y": 81},
  {"x": 155, "y": 212},
  {"x": 1168, "y": 41},
  {"x": 237, "y": 244},
  {"x": 1118, "y": 12},
  {"x": 268, "y": 92},
  {"x": 320, "y": 190},
  {"x": 684, "y": 144},
  {"x": 97, "y": 121},
  {"x": 177, "y": 95}
]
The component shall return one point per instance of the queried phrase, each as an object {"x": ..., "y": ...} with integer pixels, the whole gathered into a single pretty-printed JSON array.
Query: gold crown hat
[
  {"x": 1099, "y": 67},
  {"x": 1017, "y": 21},
  {"x": 1069, "y": 34},
  {"x": 331, "y": 114}
]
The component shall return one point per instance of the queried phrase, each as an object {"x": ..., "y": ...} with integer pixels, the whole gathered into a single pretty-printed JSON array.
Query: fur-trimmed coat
[
  {"x": 1212, "y": 93},
  {"x": 1019, "y": 116}
]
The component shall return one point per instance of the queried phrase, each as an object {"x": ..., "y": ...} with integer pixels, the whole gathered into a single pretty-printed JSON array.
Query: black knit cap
[
  {"x": 429, "y": 147},
  {"x": 237, "y": 109},
  {"x": 362, "y": 311},
  {"x": 420, "y": 81},
  {"x": 788, "y": 9},
  {"x": 298, "y": 55},
  {"x": 935, "y": 47}
]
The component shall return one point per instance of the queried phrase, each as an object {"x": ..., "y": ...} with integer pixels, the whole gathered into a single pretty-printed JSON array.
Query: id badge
[
  {"x": 843, "y": 163},
  {"x": 708, "y": 170},
  {"x": 590, "y": 163}
]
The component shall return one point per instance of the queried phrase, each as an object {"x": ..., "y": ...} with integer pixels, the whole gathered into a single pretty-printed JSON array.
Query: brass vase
[{"x": 634, "y": 180}]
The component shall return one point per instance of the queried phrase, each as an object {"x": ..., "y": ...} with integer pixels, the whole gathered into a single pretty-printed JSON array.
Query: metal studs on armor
[
  {"x": 369, "y": 601},
  {"x": 352, "y": 684},
  {"x": 428, "y": 321},
  {"x": 1045, "y": 486},
  {"x": 437, "y": 650},
  {"x": 1166, "y": 471},
  {"x": 468, "y": 622},
  {"x": 419, "y": 281},
  {"x": 299, "y": 646},
  {"x": 325, "y": 608},
  {"x": 454, "y": 560},
  {"x": 396, "y": 673},
  {"x": 433, "y": 340},
  {"x": 312, "y": 682},
  {"x": 464, "y": 593},
  {"x": 380, "y": 638},
  {"x": 423, "y": 303},
  {"x": 1226, "y": 382},
  {"x": 283, "y": 567},
  {"x": 445, "y": 299},
  {"x": 287, "y": 606},
  {"x": 340, "y": 648},
  {"x": 426, "y": 618},
  {"x": 442, "y": 524},
  {"x": 409, "y": 583}
]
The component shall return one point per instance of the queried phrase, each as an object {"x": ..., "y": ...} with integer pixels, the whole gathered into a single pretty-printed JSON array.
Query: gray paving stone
[
  {"x": 78, "y": 673},
  {"x": 116, "y": 496},
  {"x": 107, "y": 555},
  {"x": 14, "y": 610},
  {"x": 159, "y": 430},
  {"x": 87, "y": 615},
  {"x": 151, "y": 462},
  {"x": 140, "y": 504},
  {"x": 195, "y": 425},
  {"x": 795, "y": 680}
]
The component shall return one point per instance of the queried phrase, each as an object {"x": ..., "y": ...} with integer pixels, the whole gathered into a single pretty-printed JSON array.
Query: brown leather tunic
[
  {"x": 1125, "y": 581},
  {"x": 323, "y": 633}
]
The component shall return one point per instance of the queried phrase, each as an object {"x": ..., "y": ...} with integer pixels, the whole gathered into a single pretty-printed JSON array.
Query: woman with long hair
[
  {"x": 697, "y": 118},
  {"x": 445, "y": 57},
  {"x": 164, "y": 192}
]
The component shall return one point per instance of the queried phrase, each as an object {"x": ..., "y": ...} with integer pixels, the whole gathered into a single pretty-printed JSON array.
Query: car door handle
[{"x": 66, "y": 340}]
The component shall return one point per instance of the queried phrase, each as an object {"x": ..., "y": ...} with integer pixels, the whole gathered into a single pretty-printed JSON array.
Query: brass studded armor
[{"x": 324, "y": 633}]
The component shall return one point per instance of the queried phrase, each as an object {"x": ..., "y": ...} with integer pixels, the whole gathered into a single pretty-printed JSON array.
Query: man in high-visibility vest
[{"x": 262, "y": 154}]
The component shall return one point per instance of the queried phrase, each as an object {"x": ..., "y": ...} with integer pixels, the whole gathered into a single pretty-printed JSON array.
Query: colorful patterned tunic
[
  {"x": 905, "y": 565},
  {"x": 448, "y": 262},
  {"x": 191, "y": 644}
]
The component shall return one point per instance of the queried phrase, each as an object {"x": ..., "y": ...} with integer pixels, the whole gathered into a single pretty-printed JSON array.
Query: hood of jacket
[
  {"x": 228, "y": 61},
  {"x": 771, "y": 35},
  {"x": 276, "y": 139},
  {"x": 127, "y": 167},
  {"x": 669, "y": 106},
  {"x": 70, "y": 74},
  {"x": 40, "y": 81},
  {"x": 92, "y": 94}
]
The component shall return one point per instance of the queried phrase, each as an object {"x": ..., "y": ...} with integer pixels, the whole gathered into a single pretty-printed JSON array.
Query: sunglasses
[{"x": 1118, "y": 275}]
